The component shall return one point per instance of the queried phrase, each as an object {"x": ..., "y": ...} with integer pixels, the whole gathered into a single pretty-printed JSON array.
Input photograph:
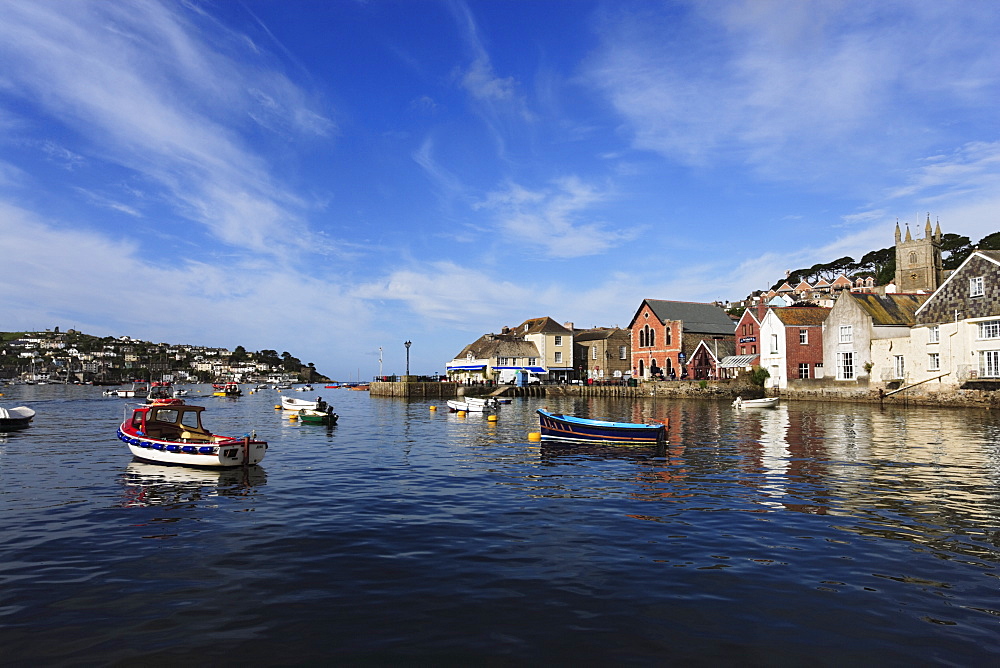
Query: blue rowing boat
[{"x": 573, "y": 429}]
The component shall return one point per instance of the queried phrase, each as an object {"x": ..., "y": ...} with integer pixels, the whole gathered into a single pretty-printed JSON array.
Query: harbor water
[{"x": 807, "y": 534}]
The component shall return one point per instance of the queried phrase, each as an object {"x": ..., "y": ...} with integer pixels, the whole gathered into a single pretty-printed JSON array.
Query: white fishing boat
[
  {"x": 474, "y": 405},
  {"x": 292, "y": 404},
  {"x": 766, "y": 402}
]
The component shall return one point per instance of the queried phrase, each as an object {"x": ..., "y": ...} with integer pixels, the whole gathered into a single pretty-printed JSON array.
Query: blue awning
[{"x": 467, "y": 367}]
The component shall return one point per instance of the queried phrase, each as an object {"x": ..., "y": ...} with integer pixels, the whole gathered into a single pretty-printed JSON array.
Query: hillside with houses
[
  {"x": 931, "y": 326},
  {"x": 75, "y": 357}
]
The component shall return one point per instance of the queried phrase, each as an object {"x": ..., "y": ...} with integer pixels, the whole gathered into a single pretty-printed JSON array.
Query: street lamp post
[{"x": 407, "y": 344}]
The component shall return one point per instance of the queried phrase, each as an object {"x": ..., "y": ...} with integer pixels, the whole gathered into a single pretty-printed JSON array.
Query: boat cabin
[{"x": 170, "y": 423}]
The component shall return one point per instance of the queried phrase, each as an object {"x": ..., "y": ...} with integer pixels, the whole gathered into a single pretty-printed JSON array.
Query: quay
[{"x": 971, "y": 395}]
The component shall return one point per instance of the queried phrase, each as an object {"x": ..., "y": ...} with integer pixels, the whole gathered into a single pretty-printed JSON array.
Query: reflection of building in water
[
  {"x": 157, "y": 485},
  {"x": 774, "y": 454}
]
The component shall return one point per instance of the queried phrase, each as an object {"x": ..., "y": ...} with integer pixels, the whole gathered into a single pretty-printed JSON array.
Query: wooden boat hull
[
  {"x": 572, "y": 429},
  {"x": 225, "y": 452}
]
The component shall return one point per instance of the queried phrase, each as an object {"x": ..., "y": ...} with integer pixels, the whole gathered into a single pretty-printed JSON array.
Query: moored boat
[
  {"x": 325, "y": 416},
  {"x": 174, "y": 434},
  {"x": 473, "y": 405},
  {"x": 292, "y": 404},
  {"x": 227, "y": 390},
  {"x": 138, "y": 389},
  {"x": 766, "y": 402},
  {"x": 574, "y": 429},
  {"x": 18, "y": 417},
  {"x": 162, "y": 393}
]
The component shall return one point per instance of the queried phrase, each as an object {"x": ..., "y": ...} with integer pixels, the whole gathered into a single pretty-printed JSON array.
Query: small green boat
[{"x": 309, "y": 416}]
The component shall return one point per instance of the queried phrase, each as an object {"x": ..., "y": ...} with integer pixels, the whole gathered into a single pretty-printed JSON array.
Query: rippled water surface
[{"x": 806, "y": 534}]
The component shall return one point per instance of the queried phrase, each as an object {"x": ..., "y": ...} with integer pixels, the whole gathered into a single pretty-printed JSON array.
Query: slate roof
[
  {"x": 698, "y": 318},
  {"x": 597, "y": 334},
  {"x": 892, "y": 309},
  {"x": 545, "y": 325}
]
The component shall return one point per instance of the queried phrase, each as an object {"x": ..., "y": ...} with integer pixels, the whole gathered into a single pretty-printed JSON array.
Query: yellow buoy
[
  {"x": 277, "y": 407},
  {"x": 534, "y": 436},
  {"x": 491, "y": 418},
  {"x": 293, "y": 416},
  {"x": 461, "y": 413},
  {"x": 434, "y": 408}
]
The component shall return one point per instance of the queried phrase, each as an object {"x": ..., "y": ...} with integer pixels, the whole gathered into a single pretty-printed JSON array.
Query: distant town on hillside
[{"x": 75, "y": 357}]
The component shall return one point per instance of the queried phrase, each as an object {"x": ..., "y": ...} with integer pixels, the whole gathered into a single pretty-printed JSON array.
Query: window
[
  {"x": 558, "y": 340},
  {"x": 934, "y": 334},
  {"x": 753, "y": 349},
  {"x": 934, "y": 361},
  {"x": 532, "y": 361},
  {"x": 621, "y": 352},
  {"x": 803, "y": 336},
  {"x": 989, "y": 329},
  {"x": 976, "y": 288},
  {"x": 847, "y": 333},
  {"x": 743, "y": 350},
  {"x": 593, "y": 352},
  {"x": 989, "y": 363},
  {"x": 898, "y": 367},
  {"x": 774, "y": 343},
  {"x": 558, "y": 358},
  {"x": 845, "y": 366},
  {"x": 803, "y": 369}
]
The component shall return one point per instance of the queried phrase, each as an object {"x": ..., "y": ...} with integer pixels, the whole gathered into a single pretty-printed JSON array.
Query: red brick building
[
  {"x": 792, "y": 344},
  {"x": 665, "y": 334}
]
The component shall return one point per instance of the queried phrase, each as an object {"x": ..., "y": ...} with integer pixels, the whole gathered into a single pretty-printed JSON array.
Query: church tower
[{"x": 918, "y": 261}]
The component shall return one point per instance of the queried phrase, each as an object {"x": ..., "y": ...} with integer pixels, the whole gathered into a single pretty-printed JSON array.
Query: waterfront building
[
  {"x": 858, "y": 319},
  {"x": 955, "y": 343},
  {"x": 665, "y": 334},
  {"x": 540, "y": 346},
  {"x": 602, "y": 354},
  {"x": 791, "y": 341},
  {"x": 705, "y": 363}
]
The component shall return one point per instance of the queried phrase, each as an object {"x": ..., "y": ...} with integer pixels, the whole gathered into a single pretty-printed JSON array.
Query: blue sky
[{"x": 329, "y": 178}]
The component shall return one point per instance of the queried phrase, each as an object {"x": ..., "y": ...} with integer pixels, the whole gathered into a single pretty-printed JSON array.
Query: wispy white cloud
[
  {"x": 794, "y": 88},
  {"x": 87, "y": 280},
  {"x": 548, "y": 222},
  {"x": 145, "y": 87},
  {"x": 499, "y": 99}
]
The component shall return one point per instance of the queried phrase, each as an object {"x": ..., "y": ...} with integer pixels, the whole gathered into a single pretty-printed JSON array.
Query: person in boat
[{"x": 320, "y": 405}]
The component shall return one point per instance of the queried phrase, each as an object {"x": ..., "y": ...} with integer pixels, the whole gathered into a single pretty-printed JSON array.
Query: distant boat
[
  {"x": 228, "y": 390},
  {"x": 162, "y": 393},
  {"x": 15, "y": 418},
  {"x": 767, "y": 402},
  {"x": 574, "y": 429},
  {"x": 138, "y": 389}
]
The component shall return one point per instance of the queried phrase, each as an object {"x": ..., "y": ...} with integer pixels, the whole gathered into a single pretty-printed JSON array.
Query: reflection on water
[
  {"x": 147, "y": 484},
  {"x": 803, "y": 533}
]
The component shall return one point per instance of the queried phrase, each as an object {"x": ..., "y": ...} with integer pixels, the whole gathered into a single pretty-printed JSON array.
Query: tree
[{"x": 954, "y": 250}]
